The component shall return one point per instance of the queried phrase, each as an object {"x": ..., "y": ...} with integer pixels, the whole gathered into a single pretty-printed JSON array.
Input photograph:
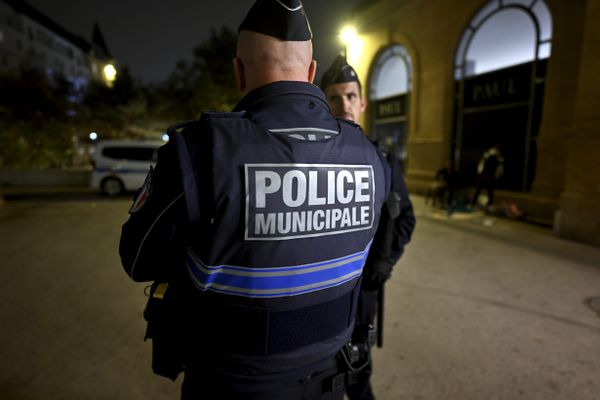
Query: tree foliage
[
  {"x": 33, "y": 116},
  {"x": 207, "y": 81},
  {"x": 28, "y": 95}
]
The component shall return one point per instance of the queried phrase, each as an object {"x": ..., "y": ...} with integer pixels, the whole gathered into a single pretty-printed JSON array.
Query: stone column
[{"x": 578, "y": 217}]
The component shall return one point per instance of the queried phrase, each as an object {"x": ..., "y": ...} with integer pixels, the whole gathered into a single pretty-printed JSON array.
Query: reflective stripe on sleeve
[
  {"x": 275, "y": 282},
  {"x": 137, "y": 255}
]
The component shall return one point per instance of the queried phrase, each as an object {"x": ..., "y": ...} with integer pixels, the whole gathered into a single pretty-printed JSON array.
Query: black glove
[{"x": 376, "y": 273}]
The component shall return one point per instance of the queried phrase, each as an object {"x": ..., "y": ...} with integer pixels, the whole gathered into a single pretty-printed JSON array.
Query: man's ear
[
  {"x": 312, "y": 71},
  {"x": 240, "y": 75},
  {"x": 363, "y": 104}
]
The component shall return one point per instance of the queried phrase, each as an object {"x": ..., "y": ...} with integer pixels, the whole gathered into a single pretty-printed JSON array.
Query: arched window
[
  {"x": 391, "y": 74},
  {"x": 389, "y": 93},
  {"x": 499, "y": 70},
  {"x": 504, "y": 33}
]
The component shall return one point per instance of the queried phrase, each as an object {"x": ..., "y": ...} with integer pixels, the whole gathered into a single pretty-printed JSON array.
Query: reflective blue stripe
[{"x": 276, "y": 282}]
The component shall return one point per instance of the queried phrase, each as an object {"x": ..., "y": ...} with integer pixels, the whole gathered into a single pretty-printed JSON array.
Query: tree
[
  {"x": 207, "y": 82},
  {"x": 124, "y": 90},
  {"x": 29, "y": 95},
  {"x": 213, "y": 58},
  {"x": 112, "y": 109},
  {"x": 33, "y": 119}
]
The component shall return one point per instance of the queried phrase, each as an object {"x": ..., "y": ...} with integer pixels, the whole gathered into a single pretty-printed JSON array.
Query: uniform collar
[{"x": 269, "y": 93}]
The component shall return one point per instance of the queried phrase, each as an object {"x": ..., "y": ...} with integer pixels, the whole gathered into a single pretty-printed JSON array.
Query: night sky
[{"x": 149, "y": 36}]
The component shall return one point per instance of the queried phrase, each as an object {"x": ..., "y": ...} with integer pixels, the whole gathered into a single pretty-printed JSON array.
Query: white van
[{"x": 121, "y": 165}]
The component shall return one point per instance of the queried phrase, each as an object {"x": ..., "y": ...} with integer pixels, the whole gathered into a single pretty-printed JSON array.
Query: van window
[{"x": 129, "y": 153}]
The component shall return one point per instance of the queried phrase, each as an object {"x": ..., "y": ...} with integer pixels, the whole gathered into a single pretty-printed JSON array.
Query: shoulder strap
[{"x": 190, "y": 186}]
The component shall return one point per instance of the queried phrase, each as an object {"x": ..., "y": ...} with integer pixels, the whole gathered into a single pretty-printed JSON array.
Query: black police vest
[{"x": 278, "y": 249}]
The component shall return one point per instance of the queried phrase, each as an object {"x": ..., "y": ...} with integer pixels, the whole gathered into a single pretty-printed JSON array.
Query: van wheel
[{"x": 111, "y": 187}]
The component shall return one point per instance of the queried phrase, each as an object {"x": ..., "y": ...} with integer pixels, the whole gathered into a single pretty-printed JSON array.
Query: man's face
[{"x": 345, "y": 100}]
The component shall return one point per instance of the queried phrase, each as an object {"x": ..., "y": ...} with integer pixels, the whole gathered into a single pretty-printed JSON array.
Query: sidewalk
[{"x": 482, "y": 307}]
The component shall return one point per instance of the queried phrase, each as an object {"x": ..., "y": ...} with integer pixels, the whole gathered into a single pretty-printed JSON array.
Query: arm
[
  {"x": 404, "y": 224},
  {"x": 150, "y": 239},
  {"x": 392, "y": 234}
]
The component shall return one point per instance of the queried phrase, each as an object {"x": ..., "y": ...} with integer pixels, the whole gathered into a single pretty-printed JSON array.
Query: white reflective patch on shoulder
[
  {"x": 290, "y": 8},
  {"x": 143, "y": 194},
  {"x": 306, "y": 134}
]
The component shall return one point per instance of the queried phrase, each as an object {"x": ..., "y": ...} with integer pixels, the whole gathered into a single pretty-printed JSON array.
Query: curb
[{"x": 12, "y": 194}]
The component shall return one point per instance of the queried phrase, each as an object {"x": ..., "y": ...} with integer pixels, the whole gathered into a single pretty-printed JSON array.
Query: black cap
[
  {"x": 283, "y": 19},
  {"x": 339, "y": 72}
]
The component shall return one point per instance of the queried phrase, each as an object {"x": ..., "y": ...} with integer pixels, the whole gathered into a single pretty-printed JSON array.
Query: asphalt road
[{"x": 478, "y": 308}]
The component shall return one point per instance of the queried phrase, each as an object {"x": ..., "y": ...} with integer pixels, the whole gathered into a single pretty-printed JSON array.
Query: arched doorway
[
  {"x": 389, "y": 88},
  {"x": 499, "y": 72}
]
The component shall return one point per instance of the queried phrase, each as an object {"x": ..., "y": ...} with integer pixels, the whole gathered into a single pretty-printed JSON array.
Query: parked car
[{"x": 121, "y": 165}]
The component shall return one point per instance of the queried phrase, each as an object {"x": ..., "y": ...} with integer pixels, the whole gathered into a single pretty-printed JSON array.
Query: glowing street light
[
  {"x": 93, "y": 136},
  {"x": 348, "y": 35},
  {"x": 353, "y": 44},
  {"x": 110, "y": 73}
]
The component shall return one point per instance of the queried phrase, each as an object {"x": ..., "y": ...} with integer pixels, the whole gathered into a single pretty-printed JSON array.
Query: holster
[
  {"x": 164, "y": 329},
  {"x": 356, "y": 354}
]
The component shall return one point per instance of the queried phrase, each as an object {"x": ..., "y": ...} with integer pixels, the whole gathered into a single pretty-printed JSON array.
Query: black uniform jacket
[
  {"x": 383, "y": 249},
  {"x": 278, "y": 192}
]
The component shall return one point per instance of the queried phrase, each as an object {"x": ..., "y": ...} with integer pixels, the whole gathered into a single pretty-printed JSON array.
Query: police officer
[
  {"x": 344, "y": 94},
  {"x": 255, "y": 226}
]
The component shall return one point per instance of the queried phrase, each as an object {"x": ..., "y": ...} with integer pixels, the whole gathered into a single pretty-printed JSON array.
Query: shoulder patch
[{"x": 143, "y": 193}]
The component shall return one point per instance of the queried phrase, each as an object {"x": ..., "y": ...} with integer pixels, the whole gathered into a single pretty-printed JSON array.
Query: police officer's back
[{"x": 260, "y": 221}]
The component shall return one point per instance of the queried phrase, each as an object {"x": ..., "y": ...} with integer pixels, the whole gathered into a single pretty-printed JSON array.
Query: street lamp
[
  {"x": 348, "y": 35},
  {"x": 352, "y": 44},
  {"x": 110, "y": 74}
]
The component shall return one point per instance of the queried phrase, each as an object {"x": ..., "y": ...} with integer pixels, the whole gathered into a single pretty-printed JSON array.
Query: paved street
[{"x": 478, "y": 308}]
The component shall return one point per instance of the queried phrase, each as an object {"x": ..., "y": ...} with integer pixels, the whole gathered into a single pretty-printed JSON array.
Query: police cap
[
  {"x": 283, "y": 19},
  {"x": 339, "y": 72}
]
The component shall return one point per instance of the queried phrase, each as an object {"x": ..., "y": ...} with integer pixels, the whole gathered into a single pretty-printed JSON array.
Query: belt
[{"x": 331, "y": 377}]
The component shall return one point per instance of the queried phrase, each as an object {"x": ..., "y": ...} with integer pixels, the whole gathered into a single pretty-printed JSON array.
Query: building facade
[
  {"x": 29, "y": 39},
  {"x": 448, "y": 79}
]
